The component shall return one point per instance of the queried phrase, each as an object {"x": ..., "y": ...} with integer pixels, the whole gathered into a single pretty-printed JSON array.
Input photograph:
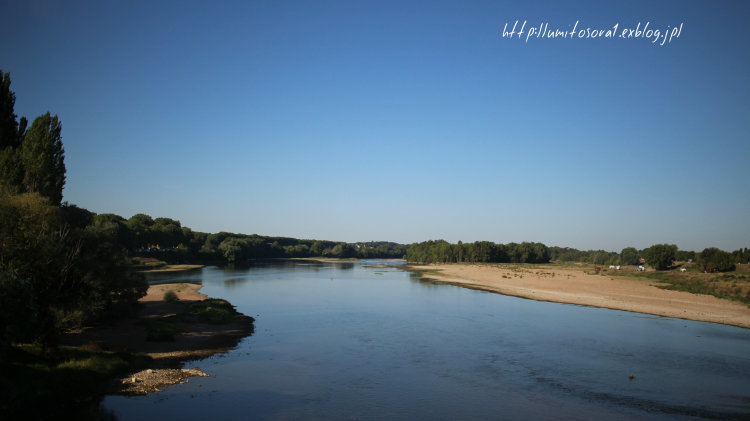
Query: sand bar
[
  {"x": 574, "y": 286},
  {"x": 173, "y": 268}
]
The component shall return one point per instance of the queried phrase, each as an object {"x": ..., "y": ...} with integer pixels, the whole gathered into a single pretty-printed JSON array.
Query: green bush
[
  {"x": 212, "y": 310},
  {"x": 170, "y": 296}
]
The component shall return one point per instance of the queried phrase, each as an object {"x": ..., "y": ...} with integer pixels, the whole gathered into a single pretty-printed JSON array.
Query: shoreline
[
  {"x": 343, "y": 259},
  {"x": 574, "y": 286},
  {"x": 173, "y": 268},
  {"x": 192, "y": 340}
]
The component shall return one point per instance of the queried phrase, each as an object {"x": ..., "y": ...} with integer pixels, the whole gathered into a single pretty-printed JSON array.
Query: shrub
[
  {"x": 170, "y": 296},
  {"x": 212, "y": 310}
]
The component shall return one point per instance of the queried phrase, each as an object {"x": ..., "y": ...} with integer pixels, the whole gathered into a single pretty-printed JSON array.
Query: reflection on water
[{"x": 359, "y": 341}]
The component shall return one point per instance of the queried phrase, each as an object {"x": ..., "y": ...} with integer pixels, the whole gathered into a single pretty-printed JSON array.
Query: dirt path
[{"x": 576, "y": 287}]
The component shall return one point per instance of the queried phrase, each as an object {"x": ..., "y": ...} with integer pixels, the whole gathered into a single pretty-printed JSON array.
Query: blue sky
[{"x": 400, "y": 121}]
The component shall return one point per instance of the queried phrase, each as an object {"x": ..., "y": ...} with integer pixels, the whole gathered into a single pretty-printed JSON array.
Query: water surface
[{"x": 352, "y": 341}]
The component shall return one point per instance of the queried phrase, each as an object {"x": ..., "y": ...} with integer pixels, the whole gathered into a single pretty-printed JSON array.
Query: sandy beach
[{"x": 574, "y": 286}]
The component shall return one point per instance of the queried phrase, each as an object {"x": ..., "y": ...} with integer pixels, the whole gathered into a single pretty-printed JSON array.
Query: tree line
[
  {"x": 659, "y": 256},
  {"x": 144, "y": 235},
  {"x": 441, "y": 251},
  {"x": 60, "y": 267}
]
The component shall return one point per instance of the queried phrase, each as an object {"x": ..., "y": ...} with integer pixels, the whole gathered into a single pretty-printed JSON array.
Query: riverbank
[
  {"x": 574, "y": 286},
  {"x": 169, "y": 333},
  {"x": 173, "y": 268}
]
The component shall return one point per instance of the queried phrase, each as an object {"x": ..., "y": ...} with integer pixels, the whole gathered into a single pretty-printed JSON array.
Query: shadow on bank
[{"x": 130, "y": 357}]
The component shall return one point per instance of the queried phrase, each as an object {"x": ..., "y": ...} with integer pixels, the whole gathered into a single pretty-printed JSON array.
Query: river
[{"x": 364, "y": 340}]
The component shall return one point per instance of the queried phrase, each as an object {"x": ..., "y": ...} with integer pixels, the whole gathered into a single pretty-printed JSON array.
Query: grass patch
[
  {"x": 733, "y": 286},
  {"x": 67, "y": 381},
  {"x": 100, "y": 363},
  {"x": 211, "y": 310},
  {"x": 146, "y": 263}
]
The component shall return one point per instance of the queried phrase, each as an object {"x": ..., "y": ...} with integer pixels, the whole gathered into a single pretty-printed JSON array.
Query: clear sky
[{"x": 401, "y": 121}]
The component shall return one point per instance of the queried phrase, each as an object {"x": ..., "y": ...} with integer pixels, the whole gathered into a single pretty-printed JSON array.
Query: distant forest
[
  {"x": 144, "y": 235},
  {"x": 659, "y": 256}
]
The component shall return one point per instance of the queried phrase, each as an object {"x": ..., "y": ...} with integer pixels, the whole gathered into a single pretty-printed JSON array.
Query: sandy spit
[
  {"x": 574, "y": 286},
  {"x": 173, "y": 268}
]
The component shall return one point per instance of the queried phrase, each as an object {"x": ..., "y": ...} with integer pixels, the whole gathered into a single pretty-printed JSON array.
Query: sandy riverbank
[
  {"x": 196, "y": 340},
  {"x": 574, "y": 286},
  {"x": 173, "y": 268}
]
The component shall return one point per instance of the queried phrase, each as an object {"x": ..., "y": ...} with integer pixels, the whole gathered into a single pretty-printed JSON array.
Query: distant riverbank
[
  {"x": 349, "y": 259},
  {"x": 575, "y": 286},
  {"x": 173, "y": 268}
]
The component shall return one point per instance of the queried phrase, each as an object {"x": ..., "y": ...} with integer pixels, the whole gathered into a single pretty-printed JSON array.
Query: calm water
[{"x": 346, "y": 341}]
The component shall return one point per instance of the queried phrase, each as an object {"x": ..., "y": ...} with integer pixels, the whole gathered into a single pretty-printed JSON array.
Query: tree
[
  {"x": 317, "y": 249},
  {"x": 684, "y": 255},
  {"x": 343, "y": 250},
  {"x": 140, "y": 225},
  {"x": 601, "y": 257},
  {"x": 54, "y": 272},
  {"x": 43, "y": 158},
  {"x": 8, "y": 124},
  {"x": 660, "y": 256},
  {"x": 629, "y": 256},
  {"x": 11, "y": 170},
  {"x": 167, "y": 232},
  {"x": 38, "y": 252},
  {"x": 11, "y": 134},
  {"x": 713, "y": 259},
  {"x": 233, "y": 249}
]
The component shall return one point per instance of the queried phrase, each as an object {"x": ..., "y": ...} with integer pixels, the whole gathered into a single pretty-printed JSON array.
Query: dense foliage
[
  {"x": 660, "y": 256},
  {"x": 713, "y": 259},
  {"x": 441, "y": 251},
  {"x": 167, "y": 238},
  {"x": 629, "y": 256},
  {"x": 741, "y": 256},
  {"x": 58, "y": 266}
]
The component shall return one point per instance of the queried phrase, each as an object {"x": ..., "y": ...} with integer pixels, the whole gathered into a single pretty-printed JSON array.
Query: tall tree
[
  {"x": 11, "y": 133},
  {"x": 43, "y": 158},
  {"x": 8, "y": 123}
]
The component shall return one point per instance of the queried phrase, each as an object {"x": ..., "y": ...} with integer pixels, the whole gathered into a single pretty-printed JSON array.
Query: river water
[{"x": 362, "y": 341}]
